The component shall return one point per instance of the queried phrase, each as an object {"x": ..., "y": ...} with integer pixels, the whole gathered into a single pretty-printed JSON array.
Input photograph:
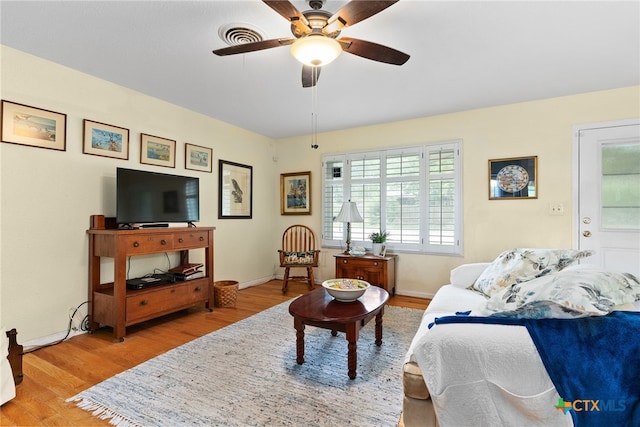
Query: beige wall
[
  {"x": 541, "y": 128},
  {"x": 47, "y": 196}
]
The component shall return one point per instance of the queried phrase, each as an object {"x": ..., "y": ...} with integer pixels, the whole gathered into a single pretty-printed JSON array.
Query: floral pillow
[
  {"x": 567, "y": 294},
  {"x": 305, "y": 257},
  {"x": 524, "y": 264}
]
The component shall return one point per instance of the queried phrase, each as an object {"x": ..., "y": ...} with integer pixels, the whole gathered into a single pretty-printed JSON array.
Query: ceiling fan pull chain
[{"x": 314, "y": 109}]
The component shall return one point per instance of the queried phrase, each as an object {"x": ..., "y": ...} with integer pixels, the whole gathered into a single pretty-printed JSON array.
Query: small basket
[{"x": 225, "y": 293}]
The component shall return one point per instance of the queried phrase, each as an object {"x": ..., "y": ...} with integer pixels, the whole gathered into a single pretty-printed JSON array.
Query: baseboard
[
  {"x": 255, "y": 282},
  {"x": 50, "y": 339},
  {"x": 426, "y": 295}
]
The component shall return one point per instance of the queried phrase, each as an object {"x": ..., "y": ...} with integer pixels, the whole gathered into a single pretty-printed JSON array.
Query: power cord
[{"x": 84, "y": 326}]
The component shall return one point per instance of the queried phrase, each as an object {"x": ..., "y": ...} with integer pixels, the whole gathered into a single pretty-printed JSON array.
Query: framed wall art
[
  {"x": 101, "y": 139},
  {"x": 35, "y": 127},
  {"x": 515, "y": 178},
  {"x": 157, "y": 151},
  {"x": 198, "y": 158},
  {"x": 295, "y": 193},
  {"x": 235, "y": 192}
]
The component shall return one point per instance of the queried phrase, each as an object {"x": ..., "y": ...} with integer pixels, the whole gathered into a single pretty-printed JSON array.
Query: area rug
[{"x": 246, "y": 375}]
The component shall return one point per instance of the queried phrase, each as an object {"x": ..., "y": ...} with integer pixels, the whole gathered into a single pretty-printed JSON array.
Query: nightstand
[{"x": 378, "y": 271}]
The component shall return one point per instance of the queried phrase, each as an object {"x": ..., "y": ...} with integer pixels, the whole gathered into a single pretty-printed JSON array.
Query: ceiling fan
[{"x": 316, "y": 31}]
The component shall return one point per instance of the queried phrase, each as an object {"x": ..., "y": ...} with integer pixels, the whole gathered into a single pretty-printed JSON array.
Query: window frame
[{"x": 334, "y": 234}]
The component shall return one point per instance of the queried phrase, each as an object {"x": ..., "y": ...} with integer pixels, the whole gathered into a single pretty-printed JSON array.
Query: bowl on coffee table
[{"x": 345, "y": 290}]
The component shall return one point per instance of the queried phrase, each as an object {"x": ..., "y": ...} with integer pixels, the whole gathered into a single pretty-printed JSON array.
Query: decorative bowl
[
  {"x": 345, "y": 290},
  {"x": 357, "y": 251}
]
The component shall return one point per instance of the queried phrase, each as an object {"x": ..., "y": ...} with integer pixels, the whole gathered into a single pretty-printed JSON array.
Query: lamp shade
[
  {"x": 349, "y": 213},
  {"x": 316, "y": 50}
]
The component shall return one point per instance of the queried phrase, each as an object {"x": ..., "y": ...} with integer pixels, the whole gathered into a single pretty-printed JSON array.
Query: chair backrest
[{"x": 298, "y": 238}]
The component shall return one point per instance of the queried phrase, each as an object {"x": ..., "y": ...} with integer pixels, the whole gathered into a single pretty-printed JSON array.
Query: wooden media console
[{"x": 114, "y": 305}]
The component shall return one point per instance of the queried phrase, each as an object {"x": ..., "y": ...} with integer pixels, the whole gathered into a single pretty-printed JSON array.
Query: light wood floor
[{"x": 53, "y": 374}]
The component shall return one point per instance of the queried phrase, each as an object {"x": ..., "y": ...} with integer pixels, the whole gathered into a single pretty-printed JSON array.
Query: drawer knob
[
  {"x": 181, "y": 240},
  {"x": 198, "y": 289},
  {"x": 163, "y": 242},
  {"x": 136, "y": 244},
  {"x": 144, "y": 302},
  {"x": 344, "y": 261},
  {"x": 202, "y": 238},
  {"x": 375, "y": 263}
]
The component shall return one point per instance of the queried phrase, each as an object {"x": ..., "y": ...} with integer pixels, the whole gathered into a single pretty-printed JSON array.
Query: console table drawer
[
  {"x": 360, "y": 263},
  {"x": 164, "y": 300},
  {"x": 148, "y": 243},
  {"x": 378, "y": 271},
  {"x": 195, "y": 239}
]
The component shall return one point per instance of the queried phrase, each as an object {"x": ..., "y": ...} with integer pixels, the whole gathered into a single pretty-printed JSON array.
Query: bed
[{"x": 461, "y": 371}]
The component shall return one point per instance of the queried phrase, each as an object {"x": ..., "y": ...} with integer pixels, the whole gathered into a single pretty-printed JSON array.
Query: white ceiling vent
[{"x": 235, "y": 34}]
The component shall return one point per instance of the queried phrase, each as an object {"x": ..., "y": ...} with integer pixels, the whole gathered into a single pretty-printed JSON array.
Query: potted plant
[{"x": 378, "y": 239}]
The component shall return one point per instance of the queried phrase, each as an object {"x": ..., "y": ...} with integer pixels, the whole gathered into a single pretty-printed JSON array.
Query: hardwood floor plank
[{"x": 53, "y": 374}]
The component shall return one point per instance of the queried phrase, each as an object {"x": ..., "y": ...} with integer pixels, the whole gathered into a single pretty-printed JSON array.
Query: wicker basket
[{"x": 225, "y": 293}]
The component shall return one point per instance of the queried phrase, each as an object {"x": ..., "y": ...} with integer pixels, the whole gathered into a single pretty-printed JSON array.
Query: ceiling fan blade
[
  {"x": 354, "y": 12},
  {"x": 373, "y": 51},
  {"x": 252, "y": 47},
  {"x": 289, "y": 12},
  {"x": 310, "y": 75}
]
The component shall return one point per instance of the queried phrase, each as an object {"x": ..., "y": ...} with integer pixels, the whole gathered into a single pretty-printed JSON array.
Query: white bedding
[
  {"x": 480, "y": 374},
  {"x": 7, "y": 386}
]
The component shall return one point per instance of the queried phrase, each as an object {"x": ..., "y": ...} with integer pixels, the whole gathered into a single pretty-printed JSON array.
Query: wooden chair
[{"x": 298, "y": 251}]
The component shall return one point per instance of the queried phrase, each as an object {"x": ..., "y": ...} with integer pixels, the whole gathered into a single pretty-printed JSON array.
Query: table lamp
[{"x": 348, "y": 213}]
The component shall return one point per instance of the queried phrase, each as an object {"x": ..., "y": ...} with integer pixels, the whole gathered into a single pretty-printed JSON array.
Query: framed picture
[
  {"x": 295, "y": 193},
  {"x": 100, "y": 139},
  {"x": 157, "y": 151},
  {"x": 35, "y": 127},
  {"x": 198, "y": 158},
  {"x": 515, "y": 178},
  {"x": 235, "y": 192}
]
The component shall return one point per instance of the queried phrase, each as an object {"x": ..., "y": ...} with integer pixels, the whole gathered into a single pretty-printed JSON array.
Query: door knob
[{"x": 586, "y": 233}]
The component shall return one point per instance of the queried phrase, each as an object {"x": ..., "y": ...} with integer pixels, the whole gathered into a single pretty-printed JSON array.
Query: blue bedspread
[{"x": 594, "y": 363}]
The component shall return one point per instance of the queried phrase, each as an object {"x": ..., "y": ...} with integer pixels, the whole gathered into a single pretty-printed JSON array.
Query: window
[{"x": 414, "y": 193}]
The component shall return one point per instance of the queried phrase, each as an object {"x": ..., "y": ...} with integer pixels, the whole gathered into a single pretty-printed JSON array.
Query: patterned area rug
[{"x": 246, "y": 375}]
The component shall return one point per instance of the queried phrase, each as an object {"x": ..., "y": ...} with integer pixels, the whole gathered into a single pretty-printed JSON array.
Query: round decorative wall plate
[{"x": 512, "y": 178}]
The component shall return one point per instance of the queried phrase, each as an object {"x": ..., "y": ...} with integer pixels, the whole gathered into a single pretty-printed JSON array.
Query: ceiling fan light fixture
[{"x": 316, "y": 50}]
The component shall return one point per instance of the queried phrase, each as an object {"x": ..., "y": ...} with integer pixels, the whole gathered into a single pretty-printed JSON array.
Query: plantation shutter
[
  {"x": 332, "y": 198},
  {"x": 443, "y": 196}
]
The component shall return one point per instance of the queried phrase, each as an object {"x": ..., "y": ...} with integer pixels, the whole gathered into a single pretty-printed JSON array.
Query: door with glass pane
[{"x": 609, "y": 196}]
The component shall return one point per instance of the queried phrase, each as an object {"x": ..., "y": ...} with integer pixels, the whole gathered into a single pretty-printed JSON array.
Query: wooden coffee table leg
[
  {"x": 379, "y": 327},
  {"x": 352, "y": 331},
  {"x": 297, "y": 323}
]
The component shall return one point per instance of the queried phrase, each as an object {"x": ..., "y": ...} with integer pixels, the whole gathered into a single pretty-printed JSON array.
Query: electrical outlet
[{"x": 556, "y": 209}]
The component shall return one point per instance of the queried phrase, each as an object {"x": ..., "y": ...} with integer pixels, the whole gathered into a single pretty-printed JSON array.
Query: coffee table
[{"x": 318, "y": 308}]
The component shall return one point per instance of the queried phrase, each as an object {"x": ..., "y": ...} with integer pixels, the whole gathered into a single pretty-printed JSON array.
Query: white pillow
[
  {"x": 567, "y": 294},
  {"x": 524, "y": 264},
  {"x": 465, "y": 275}
]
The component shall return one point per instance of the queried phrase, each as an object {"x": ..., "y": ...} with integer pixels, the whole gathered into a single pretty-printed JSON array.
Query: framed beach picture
[
  {"x": 235, "y": 192},
  {"x": 198, "y": 158},
  {"x": 35, "y": 127},
  {"x": 514, "y": 178},
  {"x": 101, "y": 139},
  {"x": 295, "y": 193},
  {"x": 157, "y": 151}
]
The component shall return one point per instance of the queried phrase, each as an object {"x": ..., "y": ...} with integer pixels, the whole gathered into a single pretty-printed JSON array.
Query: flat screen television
[{"x": 146, "y": 198}]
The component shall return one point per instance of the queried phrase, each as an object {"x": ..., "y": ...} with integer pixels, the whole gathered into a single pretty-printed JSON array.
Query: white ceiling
[{"x": 464, "y": 55}]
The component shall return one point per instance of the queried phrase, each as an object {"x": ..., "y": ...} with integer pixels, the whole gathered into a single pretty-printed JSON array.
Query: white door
[{"x": 608, "y": 208}]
